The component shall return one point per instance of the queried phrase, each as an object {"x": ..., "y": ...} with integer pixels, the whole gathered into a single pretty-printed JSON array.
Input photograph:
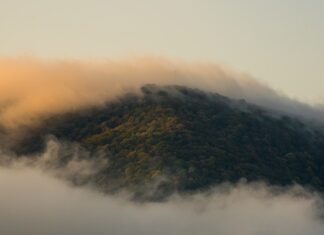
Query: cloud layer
[
  {"x": 33, "y": 203},
  {"x": 36, "y": 199},
  {"x": 31, "y": 89}
]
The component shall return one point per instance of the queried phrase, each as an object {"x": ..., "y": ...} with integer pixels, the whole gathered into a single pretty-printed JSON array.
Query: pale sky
[{"x": 280, "y": 42}]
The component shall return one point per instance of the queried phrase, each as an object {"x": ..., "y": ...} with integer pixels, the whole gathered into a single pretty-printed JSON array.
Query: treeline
[{"x": 184, "y": 139}]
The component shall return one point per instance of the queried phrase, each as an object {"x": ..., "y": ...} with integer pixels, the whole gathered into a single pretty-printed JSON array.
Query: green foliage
[{"x": 195, "y": 139}]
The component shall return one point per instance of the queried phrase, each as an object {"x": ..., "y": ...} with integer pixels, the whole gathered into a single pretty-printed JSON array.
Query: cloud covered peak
[{"x": 31, "y": 89}]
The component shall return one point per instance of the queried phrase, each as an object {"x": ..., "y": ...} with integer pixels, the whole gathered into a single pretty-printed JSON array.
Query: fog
[
  {"x": 38, "y": 198},
  {"x": 31, "y": 89},
  {"x": 34, "y": 203}
]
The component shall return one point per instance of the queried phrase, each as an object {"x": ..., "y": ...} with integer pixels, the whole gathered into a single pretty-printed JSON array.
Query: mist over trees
[{"x": 181, "y": 139}]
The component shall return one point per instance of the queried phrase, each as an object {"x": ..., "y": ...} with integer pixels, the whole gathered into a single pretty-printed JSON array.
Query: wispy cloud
[{"x": 31, "y": 89}]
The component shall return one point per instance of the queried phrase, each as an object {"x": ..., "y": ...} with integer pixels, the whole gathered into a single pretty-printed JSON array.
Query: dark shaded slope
[{"x": 194, "y": 139}]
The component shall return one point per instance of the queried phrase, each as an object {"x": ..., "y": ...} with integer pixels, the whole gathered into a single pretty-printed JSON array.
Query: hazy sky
[{"x": 280, "y": 42}]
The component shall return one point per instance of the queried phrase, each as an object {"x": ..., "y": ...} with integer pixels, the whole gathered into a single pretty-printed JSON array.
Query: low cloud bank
[
  {"x": 33, "y": 203},
  {"x": 31, "y": 89},
  {"x": 37, "y": 199}
]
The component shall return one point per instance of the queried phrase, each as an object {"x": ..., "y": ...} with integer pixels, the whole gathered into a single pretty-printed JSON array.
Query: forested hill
[{"x": 189, "y": 140}]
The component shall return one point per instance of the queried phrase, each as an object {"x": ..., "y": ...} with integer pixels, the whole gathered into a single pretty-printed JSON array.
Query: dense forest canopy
[{"x": 181, "y": 139}]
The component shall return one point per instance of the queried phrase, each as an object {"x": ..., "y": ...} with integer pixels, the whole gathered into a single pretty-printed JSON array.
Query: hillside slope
[{"x": 184, "y": 139}]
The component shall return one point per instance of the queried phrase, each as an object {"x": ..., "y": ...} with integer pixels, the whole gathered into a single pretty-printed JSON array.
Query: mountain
[{"x": 175, "y": 138}]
